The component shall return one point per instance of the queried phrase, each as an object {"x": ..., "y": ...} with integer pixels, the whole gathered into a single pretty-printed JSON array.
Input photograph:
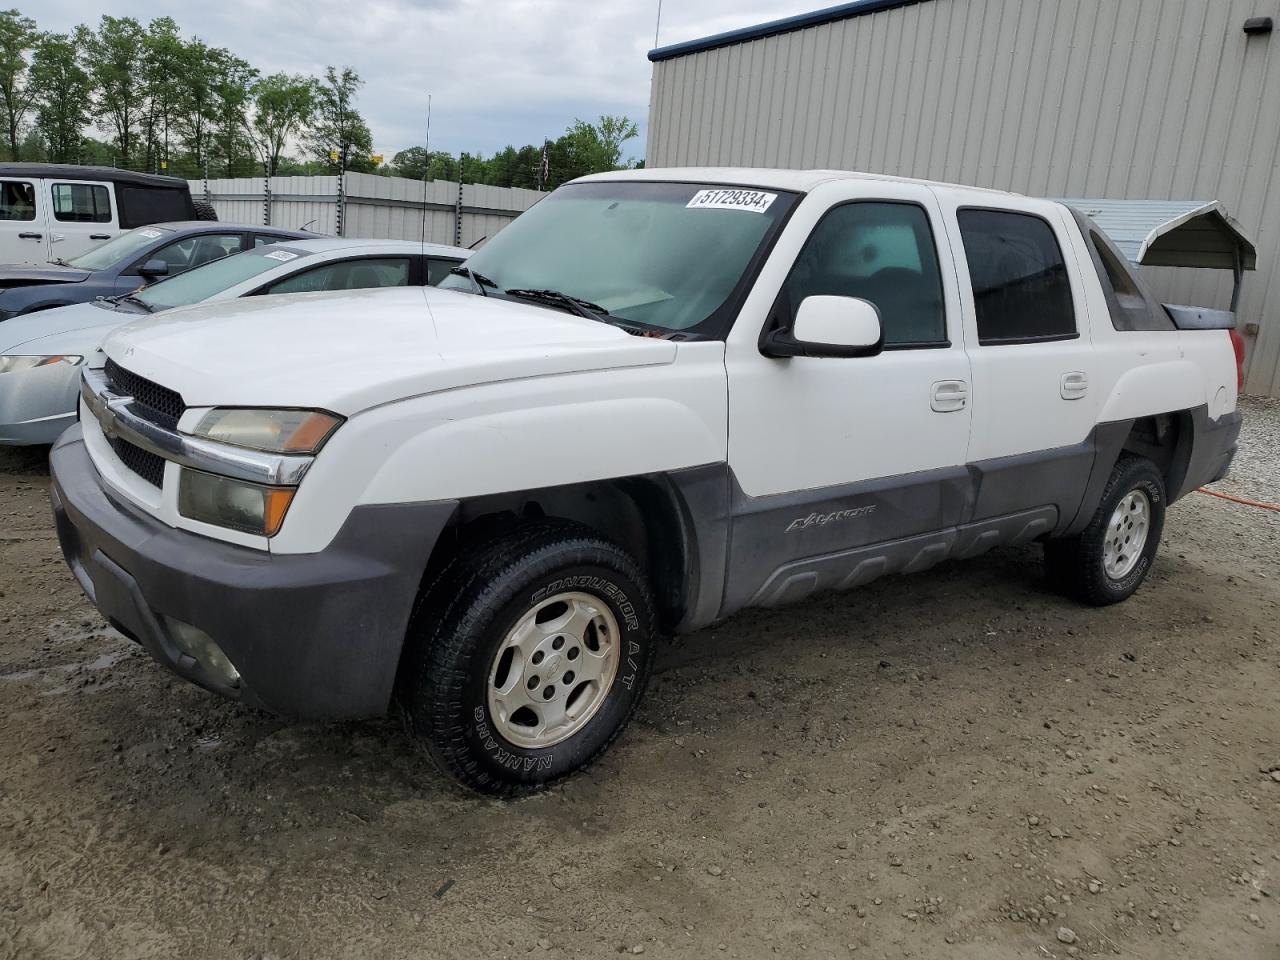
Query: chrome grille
[{"x": 164, "y": 406}]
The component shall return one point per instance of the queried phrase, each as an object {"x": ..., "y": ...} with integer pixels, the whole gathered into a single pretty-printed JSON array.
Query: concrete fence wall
[{"x": 364, "y": 205}]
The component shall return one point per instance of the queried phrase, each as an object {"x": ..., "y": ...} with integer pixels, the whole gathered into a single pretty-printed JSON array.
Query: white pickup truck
[{"x": 657, "y": 398}]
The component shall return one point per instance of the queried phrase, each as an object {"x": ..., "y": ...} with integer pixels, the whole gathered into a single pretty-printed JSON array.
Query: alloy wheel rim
[
  {"x": 553, "y": 670},
  {"x": 1127, "y": 533}
]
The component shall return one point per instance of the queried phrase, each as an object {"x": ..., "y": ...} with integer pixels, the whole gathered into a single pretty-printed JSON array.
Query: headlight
[
  {"x": 234, "y": 504},
  {"x": 10, "y": 363},
  {"x": 275, "y": 431}
]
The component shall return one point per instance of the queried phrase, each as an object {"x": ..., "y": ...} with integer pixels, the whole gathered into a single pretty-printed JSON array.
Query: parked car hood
[
  {"x": 21, "y": 275},
  {"x": 346, "y": 352},
  {"x": 42, "y": 324}
]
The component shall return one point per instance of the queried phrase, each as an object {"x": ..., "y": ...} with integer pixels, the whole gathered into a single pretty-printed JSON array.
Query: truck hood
[
  {"x": 17, "y": 331},
  {"x": 20, "y": 275},
  {"x": 349, "y": 351}
]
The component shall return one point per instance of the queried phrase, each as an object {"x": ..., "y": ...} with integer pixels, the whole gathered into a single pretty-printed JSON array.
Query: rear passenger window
[
  {"x": 81, "y": 203},
  {"x": 1021, "y": 290},
  {"x": 877, "y": 251}
]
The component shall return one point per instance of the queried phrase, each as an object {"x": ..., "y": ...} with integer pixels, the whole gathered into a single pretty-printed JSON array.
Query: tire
[
  {"x": 204, "y": 210},
  {"x": 544, "y": 577},
  {"x": 1101, "y": 565}
]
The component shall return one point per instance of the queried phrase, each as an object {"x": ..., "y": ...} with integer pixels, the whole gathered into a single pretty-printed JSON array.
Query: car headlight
[
  {"x": 11, "y": 363},
  {"x": 275, "y": 431},
  {"x": 234, "y": 504}
]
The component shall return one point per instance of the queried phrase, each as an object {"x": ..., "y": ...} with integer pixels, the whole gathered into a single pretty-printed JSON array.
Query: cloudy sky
[{"x": 499, "y": 71}]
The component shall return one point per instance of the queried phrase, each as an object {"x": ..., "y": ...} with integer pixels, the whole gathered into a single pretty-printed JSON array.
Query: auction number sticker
[
  {"x": 284, "y": 256},
  {"x": 756, "y": 201}
]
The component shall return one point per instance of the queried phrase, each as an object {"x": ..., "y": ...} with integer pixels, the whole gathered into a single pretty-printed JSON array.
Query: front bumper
[{"x": 311, "y": 635}]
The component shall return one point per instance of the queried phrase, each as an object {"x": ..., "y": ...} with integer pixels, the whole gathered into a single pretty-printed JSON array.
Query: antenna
[
  {"x": 426, "y": 147},
  {"x": 657, "y": 24}
]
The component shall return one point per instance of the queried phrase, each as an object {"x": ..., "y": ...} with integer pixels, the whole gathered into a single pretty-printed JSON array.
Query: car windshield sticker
[
  {"x": 149, "y": 234},
  {"x": 754, "y": 200},
  {"x": 284, "y": 256}
]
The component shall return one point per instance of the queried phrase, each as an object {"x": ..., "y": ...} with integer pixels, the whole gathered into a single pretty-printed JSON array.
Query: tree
[
  {"x": 340, "y": 137},
  {"x": 417, "y": 163},
  {"x": 195, "y": 108},
  {"x": 63, "y": 90},
  {"x": 17, "y": 36},
  {"x": 283, "y": 106},
  {"x": 231, "y": 92},
  {"x": 166, "y": 70},
  {"x": 115, "y": 57}
]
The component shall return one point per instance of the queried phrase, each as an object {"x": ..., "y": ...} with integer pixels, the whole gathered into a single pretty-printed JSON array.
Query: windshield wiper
[
  {"x": 133, "y": 298},
  {"x": 478, "y": 280},
  {"x": 583, "y": 308}
]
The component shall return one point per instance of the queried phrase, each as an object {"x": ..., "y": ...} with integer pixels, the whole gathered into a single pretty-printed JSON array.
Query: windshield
[
  {"x": 121, "y": 248},
  {"x": 212, "y": 278},
  {"x": 668, "y": 255}
]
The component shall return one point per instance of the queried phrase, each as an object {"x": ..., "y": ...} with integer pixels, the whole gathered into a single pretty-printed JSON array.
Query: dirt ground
[{"x": 959, "y": 764}]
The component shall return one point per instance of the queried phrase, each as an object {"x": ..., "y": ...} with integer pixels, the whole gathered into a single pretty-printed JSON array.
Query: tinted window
[
  {"x": 17, "y": 200},
  {"x": 881, "y": 252},
  {"x": 348, "y": 275},
  {"x": 437, "y": 270},
  {"x": 81, "y": 203},
  {"x": 262, "y": 239},
  {"x": 143, "y": 205},
  {"x": 1020, "y": 286},
  {"x": 197, "y": 251}
]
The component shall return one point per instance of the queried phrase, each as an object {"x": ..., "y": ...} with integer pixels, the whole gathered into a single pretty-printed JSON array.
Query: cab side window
[
  {"x": 1021, "y": 290},
  {"x": 879, "y": 251},
  {"x": 17, "y": 200},
  {"x": 192, "y": 252}
]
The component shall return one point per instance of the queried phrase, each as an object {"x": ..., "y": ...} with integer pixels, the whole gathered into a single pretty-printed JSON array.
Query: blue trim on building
[{"x": 844, "y": 11}]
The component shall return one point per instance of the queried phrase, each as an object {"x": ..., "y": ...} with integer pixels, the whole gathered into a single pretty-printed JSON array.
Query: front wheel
[
  {"x": 528, "y": 656},
  {"x": 1111, "y": 557}
]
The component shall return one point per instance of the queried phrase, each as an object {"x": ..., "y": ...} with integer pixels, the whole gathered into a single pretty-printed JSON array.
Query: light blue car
[{"x": 41, "y": 353}]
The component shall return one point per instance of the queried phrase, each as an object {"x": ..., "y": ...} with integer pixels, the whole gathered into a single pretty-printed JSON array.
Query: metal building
[{"x": 1124, "y": 99}]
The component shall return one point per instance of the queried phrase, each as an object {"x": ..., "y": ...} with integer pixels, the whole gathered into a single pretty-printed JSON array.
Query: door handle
[
  {"x": 948, "y": 396},
  {"x": 31, "y": 236},
  {"x": 1074, "y": 385},
  {"x": 99, "y": 236}
]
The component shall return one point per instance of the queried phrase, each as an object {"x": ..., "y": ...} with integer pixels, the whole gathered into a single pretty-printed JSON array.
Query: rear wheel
[
  {"x": 528, "y": 657},
  {"x": 1111, "y": 557}
]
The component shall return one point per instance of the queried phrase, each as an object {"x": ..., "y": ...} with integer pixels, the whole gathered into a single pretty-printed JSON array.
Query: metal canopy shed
[{"x": 1174, "y": 233}]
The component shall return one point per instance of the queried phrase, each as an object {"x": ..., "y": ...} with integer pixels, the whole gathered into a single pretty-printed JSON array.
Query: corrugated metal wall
[
  {"x": 388, "y": 208},
  {"x": 1131, "y": 99}
]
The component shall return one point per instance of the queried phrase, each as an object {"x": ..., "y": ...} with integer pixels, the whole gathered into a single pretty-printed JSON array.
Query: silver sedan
[{"x": 40, "y": 353}]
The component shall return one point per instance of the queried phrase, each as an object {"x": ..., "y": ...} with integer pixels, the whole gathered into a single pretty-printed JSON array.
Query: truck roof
[
  {"x": 798, "y": 180},
  {"x": 72, "y": 171}
]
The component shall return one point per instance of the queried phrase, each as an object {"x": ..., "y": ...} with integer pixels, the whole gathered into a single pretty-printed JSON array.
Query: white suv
[
  {"x": 657, "y": 398},
  {"x": 51, "y": 211}
]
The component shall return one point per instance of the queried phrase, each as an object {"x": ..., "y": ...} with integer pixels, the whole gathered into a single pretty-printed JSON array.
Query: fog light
[{"x": 199, "y": 646}]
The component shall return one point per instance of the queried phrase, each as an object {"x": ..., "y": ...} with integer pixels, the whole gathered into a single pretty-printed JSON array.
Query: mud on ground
[{"x": 958, "y": 764}]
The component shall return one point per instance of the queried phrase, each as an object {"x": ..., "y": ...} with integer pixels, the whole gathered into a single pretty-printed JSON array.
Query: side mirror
[
  {"x": 829, "y": 327},
  {"x": 154, "y": 268}
]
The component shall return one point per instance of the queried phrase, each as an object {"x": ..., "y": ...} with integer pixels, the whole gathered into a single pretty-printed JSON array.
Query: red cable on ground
[{"x": 1248, "y": 503}]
